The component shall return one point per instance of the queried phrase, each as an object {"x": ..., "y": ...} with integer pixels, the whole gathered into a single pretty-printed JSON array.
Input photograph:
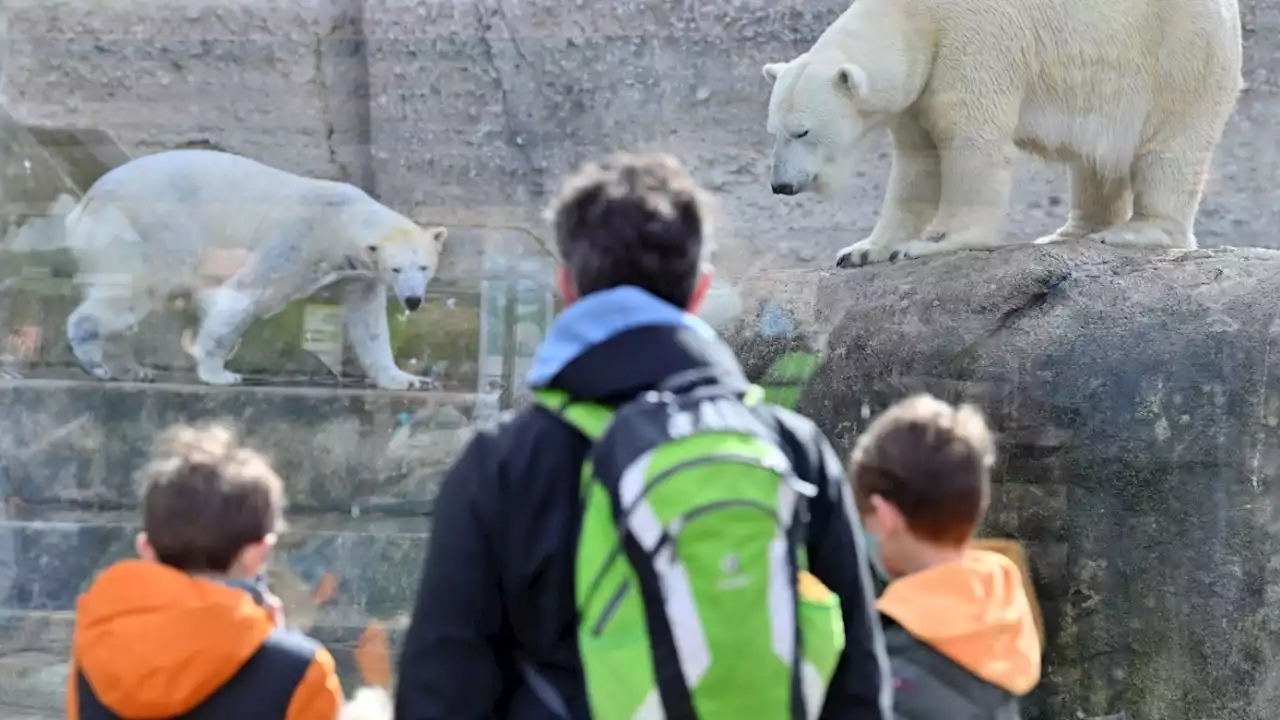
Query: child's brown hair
[
  {"x": 933, "y": 461},
  {"x": 205, "y": 497}
]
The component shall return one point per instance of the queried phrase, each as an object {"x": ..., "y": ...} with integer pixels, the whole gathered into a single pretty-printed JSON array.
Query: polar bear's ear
[
  {"x": 773, "y": 70},
  {"x": 853, "y": 78},
  {"x": 438, "y": 235}
]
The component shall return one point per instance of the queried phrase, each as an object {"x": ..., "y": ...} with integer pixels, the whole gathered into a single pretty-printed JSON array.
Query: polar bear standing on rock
[
  {"x": 1132, "y": 94},
  {"x": 151, "y": 228}
]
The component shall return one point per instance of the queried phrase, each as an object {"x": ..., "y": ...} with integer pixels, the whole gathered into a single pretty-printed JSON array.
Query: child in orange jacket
[
  {"x": 186, "y": 630},
  {"x": 962, "y": 636}
]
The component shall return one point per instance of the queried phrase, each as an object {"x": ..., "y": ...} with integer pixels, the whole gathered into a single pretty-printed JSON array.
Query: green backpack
[{"x": 693, "y": 597}]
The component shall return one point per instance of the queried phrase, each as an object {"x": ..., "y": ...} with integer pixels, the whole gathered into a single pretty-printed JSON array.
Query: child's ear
[
  {"x": 887, "y": 516},
  {"x": 564, "y": 283},
  {"x": 143, "y": 546},
  {"x": 253, "y": 558}
]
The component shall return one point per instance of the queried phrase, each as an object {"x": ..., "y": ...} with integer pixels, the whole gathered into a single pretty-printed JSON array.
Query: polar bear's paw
[
  {"x": 865, "y": 252},
  {"x": 218, "y": 377},
  {"x": 1057, "y": 237},
  {"x": 100, "y": 371},
  {"x": 1136, "y": 235},
  {"x": 868, "y": 253},
  {"x": 401, "y": 380}
]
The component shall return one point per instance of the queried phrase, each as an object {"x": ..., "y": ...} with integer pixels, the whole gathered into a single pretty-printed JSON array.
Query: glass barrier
[{"x": 360, "y": 464}]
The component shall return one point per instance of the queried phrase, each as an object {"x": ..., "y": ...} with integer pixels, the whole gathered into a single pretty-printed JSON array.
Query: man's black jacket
[{"x": 497, "y": 586}]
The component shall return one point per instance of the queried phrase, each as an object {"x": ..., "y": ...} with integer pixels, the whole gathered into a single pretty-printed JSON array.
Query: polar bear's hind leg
[
  {"x": 1099, "y": 201},
  {"x": 1167, "y": 187},
  {"x": 98, "y": 319},
  {"x": 227, "y": 313},
  {"x": 1168, "y": 184}
]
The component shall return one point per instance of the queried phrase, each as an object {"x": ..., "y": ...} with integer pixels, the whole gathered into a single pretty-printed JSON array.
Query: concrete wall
[{"x": 467, "y": 111}]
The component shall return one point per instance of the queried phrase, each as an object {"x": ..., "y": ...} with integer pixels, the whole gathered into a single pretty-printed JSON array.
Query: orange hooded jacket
[
  {"x": 977, "y": 613},
  {"x": 155, "y": 642}
]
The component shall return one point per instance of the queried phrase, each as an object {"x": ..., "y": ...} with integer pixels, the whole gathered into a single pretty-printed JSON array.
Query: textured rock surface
[
  {"x": 1138, "y": 400},
  {"x": 466, "y": 112}
]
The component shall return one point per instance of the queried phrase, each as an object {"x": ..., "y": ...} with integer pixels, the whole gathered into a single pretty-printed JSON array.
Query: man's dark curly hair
[{"x": 633, "y": 219}]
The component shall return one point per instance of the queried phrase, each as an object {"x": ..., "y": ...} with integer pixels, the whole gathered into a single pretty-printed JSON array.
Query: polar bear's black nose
[
  {"x": 784, "y": 189},
  {"x": 412, "y": 303}
]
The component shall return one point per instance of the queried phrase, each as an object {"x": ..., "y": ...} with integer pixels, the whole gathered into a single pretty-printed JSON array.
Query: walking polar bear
[
  {"x": 1132, "y": 94},
  {"x": 155, "y": 226}
]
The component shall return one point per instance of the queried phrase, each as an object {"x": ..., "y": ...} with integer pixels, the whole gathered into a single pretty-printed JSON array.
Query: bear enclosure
[{"x": 1135, "y": 393}]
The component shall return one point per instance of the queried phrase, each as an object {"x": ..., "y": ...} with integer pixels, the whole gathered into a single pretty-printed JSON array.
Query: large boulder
[{"x": 1138, "y": 397}]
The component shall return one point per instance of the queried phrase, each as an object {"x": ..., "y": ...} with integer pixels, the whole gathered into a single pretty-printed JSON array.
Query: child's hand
[
  {"x": 369, "y": 703},
  {"x": 275, "y": 608}
]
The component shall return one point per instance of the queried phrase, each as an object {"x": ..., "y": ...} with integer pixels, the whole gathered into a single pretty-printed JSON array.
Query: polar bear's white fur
[
  {"x": 153, "y": 227},
  {"x": 1132, "y": 94}
]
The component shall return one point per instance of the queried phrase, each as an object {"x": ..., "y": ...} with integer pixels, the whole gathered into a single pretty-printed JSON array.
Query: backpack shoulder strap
[{"x": 590, "y": 419}]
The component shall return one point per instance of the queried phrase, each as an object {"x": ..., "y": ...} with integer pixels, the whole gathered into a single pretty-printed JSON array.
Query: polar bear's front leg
[
  {"x": 364, "y": 309},
  {"x": 976, "y": 179},
  {"x": 227, "y": 314},
  {"x": 910, "y": 200},
  {"x": 977, "y": 176}
]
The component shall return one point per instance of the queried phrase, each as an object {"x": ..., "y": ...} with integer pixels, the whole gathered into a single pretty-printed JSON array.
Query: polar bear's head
[
  {"x": 406, "y": 259},
  {"x": 819, "y": 127}
]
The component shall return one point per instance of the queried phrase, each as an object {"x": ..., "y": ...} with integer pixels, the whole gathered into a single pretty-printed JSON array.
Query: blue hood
[{"x": 599, "y": 317}]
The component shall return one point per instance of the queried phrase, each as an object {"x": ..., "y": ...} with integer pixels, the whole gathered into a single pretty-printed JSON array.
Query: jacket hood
[
  {"x": 1014, "y": 551},
  {"x": 974, "y": 611},
  {"x": 154, "y": 641},
  {"x": 620, "y": 342}
]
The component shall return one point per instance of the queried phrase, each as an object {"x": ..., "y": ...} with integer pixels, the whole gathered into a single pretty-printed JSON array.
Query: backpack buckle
[{"x": 802, "y": 487}]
